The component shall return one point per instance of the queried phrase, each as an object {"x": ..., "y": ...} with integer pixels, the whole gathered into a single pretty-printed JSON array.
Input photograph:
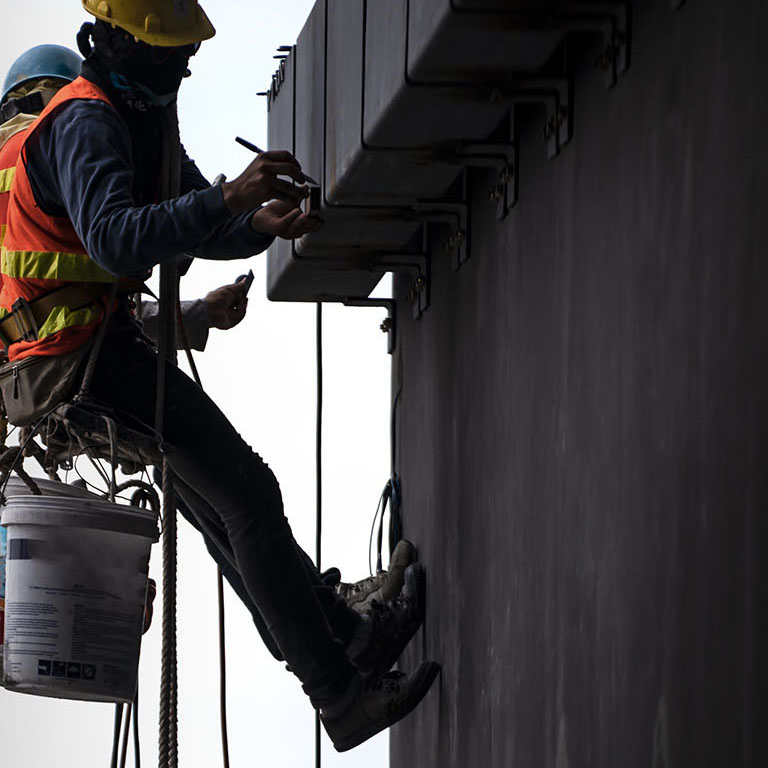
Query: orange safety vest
[
  {"x": 9, "y": 154},
  {"x": 41, "y": 253}
]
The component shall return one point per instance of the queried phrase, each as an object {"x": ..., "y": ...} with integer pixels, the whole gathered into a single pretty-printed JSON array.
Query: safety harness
[{"x": 24, "y": 321}]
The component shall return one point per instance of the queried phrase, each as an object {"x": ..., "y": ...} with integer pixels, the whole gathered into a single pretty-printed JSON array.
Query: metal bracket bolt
[
  {"x": 388, "y": 324},
  {"x": 419, "y": 284},
  {"x": 552, "y": 126},
  {"x": 455, "y": 240},
  {"x": 611, "y": 52}
]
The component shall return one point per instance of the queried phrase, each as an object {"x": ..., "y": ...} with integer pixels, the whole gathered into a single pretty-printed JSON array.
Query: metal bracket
[
  {"x": 554, "y": 93},
  {"x": 418, "y": 293},
  {"x": 388, "y": 325},
  {"x": 504, "y": 159},
  {"x": 499, "y": 156},
  {"x": 454, "y": 213},
  {"x": 283, "y": 52},
  {"x": 612, "y": 21}
]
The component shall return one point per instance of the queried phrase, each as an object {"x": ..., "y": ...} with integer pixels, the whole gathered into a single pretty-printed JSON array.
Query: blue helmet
[{"x": 42, "y": 61}]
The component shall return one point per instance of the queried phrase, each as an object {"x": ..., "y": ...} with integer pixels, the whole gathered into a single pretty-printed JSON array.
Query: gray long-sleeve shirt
[{"x": 80, "y": 165}]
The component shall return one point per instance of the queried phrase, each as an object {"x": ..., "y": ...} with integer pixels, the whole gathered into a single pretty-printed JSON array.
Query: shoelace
[
  {"x": 388, "y": 682},
  {"x": 367, "y": 585}
]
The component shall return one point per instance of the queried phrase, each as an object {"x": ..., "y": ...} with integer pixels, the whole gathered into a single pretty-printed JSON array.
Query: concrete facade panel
[{"x": 582, "y": 427}]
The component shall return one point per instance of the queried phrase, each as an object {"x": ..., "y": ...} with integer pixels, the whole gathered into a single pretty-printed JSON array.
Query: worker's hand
[
  {"x": 226, "y": 306},
  {"x": 149, "y": 604},
  {"x": 258, "y": 183},
  {"x": 283, "y": 219}
]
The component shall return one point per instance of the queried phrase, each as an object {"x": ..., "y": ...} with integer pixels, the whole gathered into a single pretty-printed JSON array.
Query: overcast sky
[{"x": 263, "y": 376}]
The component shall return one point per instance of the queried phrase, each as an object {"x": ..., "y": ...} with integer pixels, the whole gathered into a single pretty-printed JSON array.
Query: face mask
[
  {"x": 135, "y": 94},
  {"x": 152, "y": 73}
]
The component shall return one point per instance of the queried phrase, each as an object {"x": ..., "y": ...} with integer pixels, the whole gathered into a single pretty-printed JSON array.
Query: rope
[
  {"x": 93, "y": 356},
  {"x": 168, "y": 740},
  {"x": 319, "y": 484},
  {"x": 219, "y": 577}
]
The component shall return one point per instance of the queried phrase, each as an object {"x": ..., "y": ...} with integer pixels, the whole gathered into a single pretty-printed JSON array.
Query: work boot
[
  {"x": 382, "y": 587},
  {"x": 387, "y": 628},
  {"x": 374, "y": 703}
]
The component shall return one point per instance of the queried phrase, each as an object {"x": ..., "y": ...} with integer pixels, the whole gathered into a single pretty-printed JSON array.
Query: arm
[
  {"x": 81, "y": 163},
  {"x": 221, "y": 308},
  {"x": 194, "y": 315}
]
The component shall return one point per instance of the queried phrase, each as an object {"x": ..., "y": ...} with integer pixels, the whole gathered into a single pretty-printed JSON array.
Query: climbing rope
[
  {"x": 219, "y": 577},
  {"x": 168, "y": 739}
]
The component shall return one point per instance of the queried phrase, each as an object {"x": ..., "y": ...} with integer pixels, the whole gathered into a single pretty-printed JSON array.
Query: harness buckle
[{"x": 27, "y": 328}]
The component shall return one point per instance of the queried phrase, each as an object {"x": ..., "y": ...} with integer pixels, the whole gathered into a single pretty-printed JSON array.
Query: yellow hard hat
[{"x": 156, "y": 22}]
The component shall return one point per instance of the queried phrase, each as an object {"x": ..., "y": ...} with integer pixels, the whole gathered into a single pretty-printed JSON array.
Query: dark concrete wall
[{"x": 582, "y": 429}]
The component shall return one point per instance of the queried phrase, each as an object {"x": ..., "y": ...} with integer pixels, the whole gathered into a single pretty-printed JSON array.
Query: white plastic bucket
[
  {"x": 17, "y": 487},
  {"x": 76, "y": 581}
]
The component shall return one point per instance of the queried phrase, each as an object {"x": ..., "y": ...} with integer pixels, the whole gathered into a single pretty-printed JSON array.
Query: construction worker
[
  {"x": 32, "y": 80},
  {"x": 105, "y": 193}
]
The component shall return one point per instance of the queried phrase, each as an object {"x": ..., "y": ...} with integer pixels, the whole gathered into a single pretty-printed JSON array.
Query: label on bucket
[{"x": 73, "y": 624}]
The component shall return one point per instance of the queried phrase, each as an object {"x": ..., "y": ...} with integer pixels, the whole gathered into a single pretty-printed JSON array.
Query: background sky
[{"x": 262, "y": 374}]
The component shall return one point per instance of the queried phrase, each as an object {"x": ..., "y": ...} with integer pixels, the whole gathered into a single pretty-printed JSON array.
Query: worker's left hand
[
  {"x": 226, "y": 306},
  {"x": 283, "y": 219}
]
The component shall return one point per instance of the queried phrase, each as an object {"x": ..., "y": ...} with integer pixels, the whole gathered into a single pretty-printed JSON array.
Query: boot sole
[{"x": 425, "y": 675}]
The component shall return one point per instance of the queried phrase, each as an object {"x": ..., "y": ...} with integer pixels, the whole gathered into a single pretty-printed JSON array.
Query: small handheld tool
[
  {"x": 247, "y": 144},
  {"x": 247, "y": 280}
]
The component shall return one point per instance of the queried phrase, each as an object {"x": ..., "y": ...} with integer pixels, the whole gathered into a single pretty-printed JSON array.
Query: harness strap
[
  {"x": 24, "y": 321},
  {"x": 32, "y": 104}
]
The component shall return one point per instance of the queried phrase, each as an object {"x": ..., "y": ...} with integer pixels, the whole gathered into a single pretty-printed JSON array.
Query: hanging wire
[
  {"x": 136, "y": 743},
  {"x": 126, "y": 734},
  {"x": 116, "y": 735},
  {"x": 319, "y": 484},
  {"x": 222, "y": 670}
]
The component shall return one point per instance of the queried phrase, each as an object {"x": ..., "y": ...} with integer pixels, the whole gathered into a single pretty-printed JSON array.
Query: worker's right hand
[{"x": 258, "y": 183}]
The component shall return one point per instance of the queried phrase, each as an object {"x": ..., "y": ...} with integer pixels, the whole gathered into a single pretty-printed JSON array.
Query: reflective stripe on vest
[
  {"x": 6, "y": 179},
  {"x": 41, "y": 253},
  {"x": 49, "y": 265},
  {"x": 9, "y": 155}
]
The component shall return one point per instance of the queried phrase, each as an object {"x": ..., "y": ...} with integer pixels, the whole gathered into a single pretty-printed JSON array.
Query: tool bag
[{"x": 33, "y": 386}]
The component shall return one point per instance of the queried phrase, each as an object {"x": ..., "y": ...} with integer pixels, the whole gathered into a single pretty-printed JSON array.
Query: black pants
[
  {"x": 211, "y": 459},
  {"x": 198, "y": 513}
]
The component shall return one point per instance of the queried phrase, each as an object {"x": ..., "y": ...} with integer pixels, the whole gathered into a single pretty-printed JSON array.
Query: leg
[
  {"x": 210, "y": 457},
  {"x": 343, "y": 620}
]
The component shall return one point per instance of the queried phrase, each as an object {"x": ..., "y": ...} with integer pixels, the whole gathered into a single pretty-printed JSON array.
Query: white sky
[{"x": 262, "y": 374}]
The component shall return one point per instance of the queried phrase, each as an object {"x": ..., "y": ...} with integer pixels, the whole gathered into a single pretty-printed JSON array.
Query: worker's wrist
[{"x": 232, "y": 199}]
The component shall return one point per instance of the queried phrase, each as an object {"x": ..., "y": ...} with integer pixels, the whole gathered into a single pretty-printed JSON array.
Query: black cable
[
  {"x": 126, "y": 733},
  {"x": 319, "y": 440},
  {"x": 222, "y": 671},
  {"x": 319, "y": 483},
  {"x": 136, "y": 744},
  {"x": 116, "y": 735}
]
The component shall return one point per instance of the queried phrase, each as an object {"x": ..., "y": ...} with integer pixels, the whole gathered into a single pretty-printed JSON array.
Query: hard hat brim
[{"x": 201, "y": 30}]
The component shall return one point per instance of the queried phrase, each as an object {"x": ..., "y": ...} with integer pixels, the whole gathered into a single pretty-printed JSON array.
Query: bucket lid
[
  {"x": 80, "y": 513},
  {"x": 17, "y": 487}
]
